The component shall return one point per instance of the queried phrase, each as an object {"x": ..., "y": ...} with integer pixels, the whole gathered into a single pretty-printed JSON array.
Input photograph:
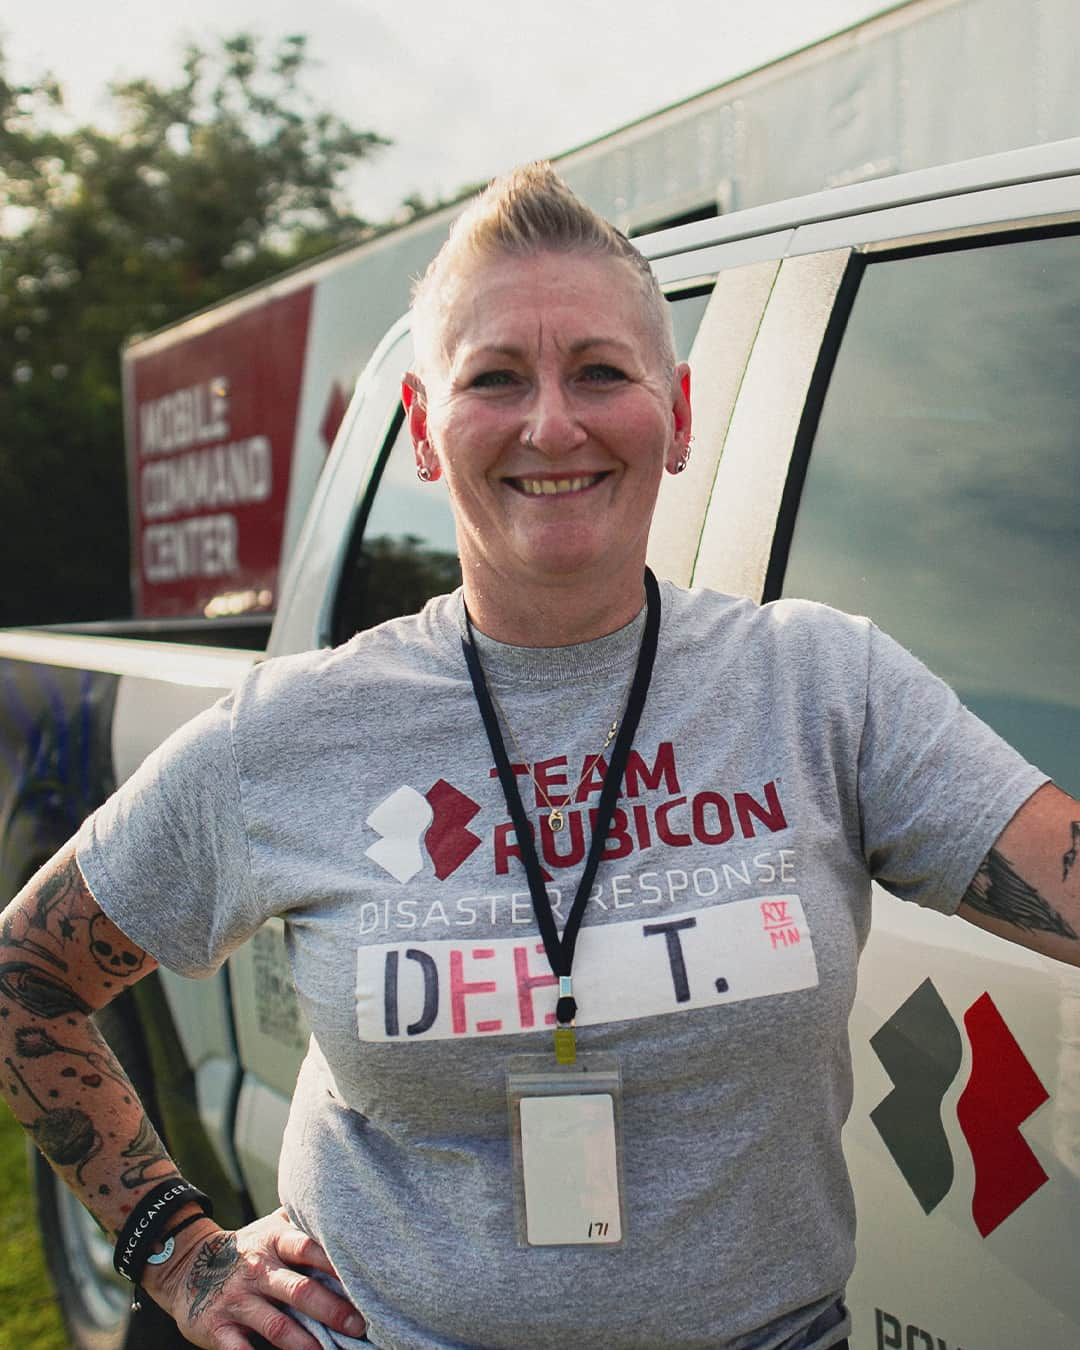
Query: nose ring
[{"x": 529, "y": 440}]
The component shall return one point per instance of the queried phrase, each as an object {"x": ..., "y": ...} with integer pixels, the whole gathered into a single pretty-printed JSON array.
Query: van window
[
  {"x": 686, "y": 312},
  {"x": 405, "y": 551},
  {"x": 942, "y": 493}
]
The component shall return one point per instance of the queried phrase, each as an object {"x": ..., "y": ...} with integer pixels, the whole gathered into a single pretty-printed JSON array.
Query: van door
[
  {"x": 942, "y": 498},
  {"x": 933, "y": 482}
]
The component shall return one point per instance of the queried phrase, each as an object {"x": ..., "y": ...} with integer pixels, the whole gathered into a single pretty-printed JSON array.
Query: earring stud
[{"x": 423, "y": 473}]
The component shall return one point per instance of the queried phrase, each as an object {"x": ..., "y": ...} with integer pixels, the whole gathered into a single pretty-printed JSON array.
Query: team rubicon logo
[
  {"x": 411, "y": 823},
  {"x": 921, "y": 1049},
  {"x": 654, "y": 808}
]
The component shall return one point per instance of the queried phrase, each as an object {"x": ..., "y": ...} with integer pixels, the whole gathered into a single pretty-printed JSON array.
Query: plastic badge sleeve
[{"x": 566, "y": 1146}]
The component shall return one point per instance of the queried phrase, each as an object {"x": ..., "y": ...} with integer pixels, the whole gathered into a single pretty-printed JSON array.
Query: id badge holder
[{"x": 566, "y": 1141}]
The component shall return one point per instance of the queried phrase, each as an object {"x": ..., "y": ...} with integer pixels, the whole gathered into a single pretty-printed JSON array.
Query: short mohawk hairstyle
[{"x": 528, "y": 211}]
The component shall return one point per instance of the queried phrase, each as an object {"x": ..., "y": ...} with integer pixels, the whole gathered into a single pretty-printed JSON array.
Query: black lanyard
[{"x": 560, "y": 953}]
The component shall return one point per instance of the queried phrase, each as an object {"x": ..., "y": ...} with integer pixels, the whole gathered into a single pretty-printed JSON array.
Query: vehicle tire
[{"x": 94, "y": 1301}]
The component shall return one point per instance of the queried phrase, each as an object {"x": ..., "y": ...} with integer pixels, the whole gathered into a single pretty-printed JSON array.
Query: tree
[
  {"x": 208, "y": 185},
  {"x": 26, "y": 149}
]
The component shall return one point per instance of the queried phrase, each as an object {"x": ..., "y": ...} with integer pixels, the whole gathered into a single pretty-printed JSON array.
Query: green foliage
[
  {"x": 391, "y": 576},
  {"x": 28, "y": 1316},
  {"x": 206, "y": 186}
]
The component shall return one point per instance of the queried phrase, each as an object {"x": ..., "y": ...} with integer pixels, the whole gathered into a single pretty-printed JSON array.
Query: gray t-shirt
[{"x": 786, "y": 755}]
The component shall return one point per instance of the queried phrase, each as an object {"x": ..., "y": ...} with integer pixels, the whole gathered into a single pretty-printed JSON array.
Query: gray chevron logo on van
[{"x": 921, "y": 1050}]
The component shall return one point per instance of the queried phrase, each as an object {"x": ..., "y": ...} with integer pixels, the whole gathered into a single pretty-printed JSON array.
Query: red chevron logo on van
[
  {"x": 1000, "y": 1095},
  {"x": 921, "y": 1050}
]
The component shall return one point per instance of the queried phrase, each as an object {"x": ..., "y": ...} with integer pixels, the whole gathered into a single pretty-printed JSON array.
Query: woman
[{"x": 668, "y": 1171}]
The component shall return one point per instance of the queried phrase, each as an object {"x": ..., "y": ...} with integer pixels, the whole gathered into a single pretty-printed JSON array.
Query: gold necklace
[{"x": 556, "y": 819}]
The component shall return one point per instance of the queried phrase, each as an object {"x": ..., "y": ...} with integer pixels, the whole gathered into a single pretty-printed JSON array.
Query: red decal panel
[{"x": 212, "y": 431}]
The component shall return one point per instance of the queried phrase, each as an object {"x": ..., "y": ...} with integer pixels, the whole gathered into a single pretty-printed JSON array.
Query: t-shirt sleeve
[
  {"x": 166, "y": 857},
  {"x": 936, "y": 785}
]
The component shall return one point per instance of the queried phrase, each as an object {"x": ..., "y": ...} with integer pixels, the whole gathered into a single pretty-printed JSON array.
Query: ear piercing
[{"x": 423, "y": 473}]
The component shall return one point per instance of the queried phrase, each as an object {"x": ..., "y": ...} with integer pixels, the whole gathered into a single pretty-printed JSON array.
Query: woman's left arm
[{"x": 1027, "y": 888}]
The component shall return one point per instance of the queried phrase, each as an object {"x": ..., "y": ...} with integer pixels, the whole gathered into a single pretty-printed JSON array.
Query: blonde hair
[{"x": 526, "y": 212}]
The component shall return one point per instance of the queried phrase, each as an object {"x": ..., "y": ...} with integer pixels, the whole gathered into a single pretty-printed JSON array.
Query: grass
[{"x": 28, "y": 1316}]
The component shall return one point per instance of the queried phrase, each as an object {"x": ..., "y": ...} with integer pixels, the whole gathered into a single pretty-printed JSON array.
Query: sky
[{"x": 464, "y": 88}]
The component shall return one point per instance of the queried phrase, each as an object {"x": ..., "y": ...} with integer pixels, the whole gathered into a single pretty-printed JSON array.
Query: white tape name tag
[{"x": 411, "y": 991}]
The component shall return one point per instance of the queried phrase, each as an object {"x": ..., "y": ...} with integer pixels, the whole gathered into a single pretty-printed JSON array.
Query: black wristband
[{"x": 150, "y": 1215}]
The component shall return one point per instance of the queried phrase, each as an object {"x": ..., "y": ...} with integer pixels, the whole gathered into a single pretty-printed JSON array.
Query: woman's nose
[{"x": 553, "y": 426}]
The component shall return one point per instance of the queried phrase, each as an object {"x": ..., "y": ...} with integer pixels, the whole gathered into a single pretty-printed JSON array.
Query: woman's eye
[
  {"x": 598, "y": 373},
  {"x": 493, "y": 379}
]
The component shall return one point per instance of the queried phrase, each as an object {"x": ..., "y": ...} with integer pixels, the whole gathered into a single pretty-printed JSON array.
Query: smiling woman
[{"x": 574, "y": 868}]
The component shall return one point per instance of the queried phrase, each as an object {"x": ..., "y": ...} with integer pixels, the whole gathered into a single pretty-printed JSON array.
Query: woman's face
[{"x": 546, "y": 404}]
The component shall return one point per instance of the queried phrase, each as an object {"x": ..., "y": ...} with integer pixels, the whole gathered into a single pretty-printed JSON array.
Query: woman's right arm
[{"x": 61, "y": 959}]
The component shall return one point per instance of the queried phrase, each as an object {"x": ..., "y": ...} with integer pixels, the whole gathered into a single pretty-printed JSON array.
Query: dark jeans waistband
[{"x": 833, "y": 1316}]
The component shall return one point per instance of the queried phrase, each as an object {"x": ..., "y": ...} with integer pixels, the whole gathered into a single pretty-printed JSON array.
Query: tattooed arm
[
  {"x": 61, "y": 958},
  {"x": 1027, "y": 888}
]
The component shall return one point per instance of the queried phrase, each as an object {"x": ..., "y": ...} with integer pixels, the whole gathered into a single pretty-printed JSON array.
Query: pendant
[{"x": 556, "y": 821}]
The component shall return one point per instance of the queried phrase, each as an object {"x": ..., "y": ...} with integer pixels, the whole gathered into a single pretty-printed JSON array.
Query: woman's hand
[{"x": 218, "y": 1286}]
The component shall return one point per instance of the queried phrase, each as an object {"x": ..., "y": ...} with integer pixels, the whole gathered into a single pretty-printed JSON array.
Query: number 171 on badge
[{"x": 570, "y": 1169}]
